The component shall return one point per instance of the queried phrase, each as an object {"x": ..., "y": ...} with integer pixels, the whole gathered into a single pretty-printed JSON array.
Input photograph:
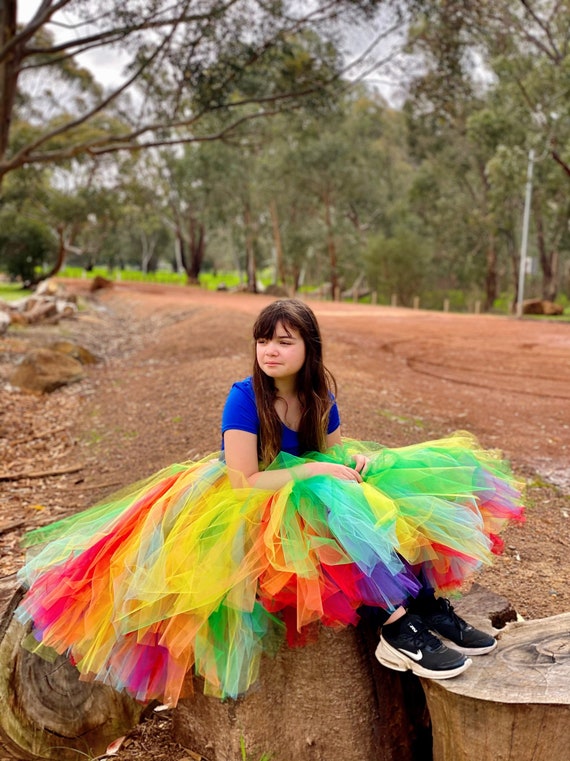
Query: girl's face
[{"x": 282, "y": 355}]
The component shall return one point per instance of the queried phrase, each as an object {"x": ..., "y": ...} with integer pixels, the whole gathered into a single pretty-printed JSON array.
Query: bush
[{"x": 25, "y": 245}]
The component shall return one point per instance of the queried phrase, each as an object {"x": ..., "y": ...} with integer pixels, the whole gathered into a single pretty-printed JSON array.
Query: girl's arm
[{"x": 243, "y": 467}]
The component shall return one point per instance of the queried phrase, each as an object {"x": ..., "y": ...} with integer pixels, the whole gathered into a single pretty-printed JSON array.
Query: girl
[{"x": 206, "y": 564}]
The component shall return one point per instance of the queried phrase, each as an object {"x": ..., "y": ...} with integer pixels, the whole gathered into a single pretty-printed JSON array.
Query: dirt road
[{"x": 403, "y": 376}]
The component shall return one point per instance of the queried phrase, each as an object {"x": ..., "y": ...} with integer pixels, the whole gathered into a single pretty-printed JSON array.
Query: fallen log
[
  {"x": 47, "y": 712},
  {"x": 327, "y": 700}
]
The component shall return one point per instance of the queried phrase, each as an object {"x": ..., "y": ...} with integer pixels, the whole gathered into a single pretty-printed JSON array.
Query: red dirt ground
[{"x": 404, "y": 376}]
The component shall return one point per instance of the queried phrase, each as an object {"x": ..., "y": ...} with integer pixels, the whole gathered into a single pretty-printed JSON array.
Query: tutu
[{"x": 182, "y": 572}]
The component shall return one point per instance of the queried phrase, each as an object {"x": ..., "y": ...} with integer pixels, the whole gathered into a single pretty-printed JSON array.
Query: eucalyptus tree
[
  {"x": 142, "y": 236},
  {"x": 506, "y": 62},
  {"x": 198, "y": 190},
  {"x": 337, "y": 175},
  {"x": 533, "y": 85},
  {"x": 181, "y": 61},
  {"x": 212, "y": 184}
]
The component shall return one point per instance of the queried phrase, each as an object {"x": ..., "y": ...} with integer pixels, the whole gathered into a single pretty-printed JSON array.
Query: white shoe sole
[
  {"x": 393, "y": 659},
  {"x": 467, "y": 650}
]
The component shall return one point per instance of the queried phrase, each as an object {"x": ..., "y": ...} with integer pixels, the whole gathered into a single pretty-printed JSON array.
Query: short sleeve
[
  {"x": 240, "y": 411},
  {"x": 334, "y": 418}
]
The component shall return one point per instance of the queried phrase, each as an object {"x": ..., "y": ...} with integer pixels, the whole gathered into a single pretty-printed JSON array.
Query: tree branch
[{"x": 559, "y": 160}]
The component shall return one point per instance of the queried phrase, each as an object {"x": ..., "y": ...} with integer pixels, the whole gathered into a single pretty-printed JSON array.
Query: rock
[
  {"x": 77, "y": 352},
  {"x": 44, "y": 370},
  {"x": 541, "y": 306},
  {"x": 99, "y": 282},
  {"x": 277, "y": 290},
  {"x": 48, "y": 304}
]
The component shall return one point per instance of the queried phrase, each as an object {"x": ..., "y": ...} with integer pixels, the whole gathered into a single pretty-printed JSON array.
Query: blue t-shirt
[{"x": 240, "y": 413}]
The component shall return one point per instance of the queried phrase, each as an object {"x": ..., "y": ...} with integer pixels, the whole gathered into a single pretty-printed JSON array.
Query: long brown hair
[{"x": 315, "y": 384}]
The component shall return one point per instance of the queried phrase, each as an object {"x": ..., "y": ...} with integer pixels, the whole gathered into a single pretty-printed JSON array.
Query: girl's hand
[
  {"x": 336, "y": 470},
  {"x": 360, "y": 462}
]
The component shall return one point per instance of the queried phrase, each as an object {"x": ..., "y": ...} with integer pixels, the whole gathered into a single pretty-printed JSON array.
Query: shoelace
[
  {"x": 459, "y": 622},
  {"x": 421, "y": 636}
]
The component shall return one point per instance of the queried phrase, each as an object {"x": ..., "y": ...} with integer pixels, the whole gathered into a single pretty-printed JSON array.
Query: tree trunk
[
  {"x": 328, "y": 700},
  {"x": 60, "y": 259},
  {"x": 9, "y": 69},
  {"x": 250, "y": 249},
  {"x": 46, "y": 711},
  {"x": 197, "y": 250},
  {"x": 181, "y": 248},
  {"x": 279, "y": 265},
  {"x": 548, "y": 261},
  {"x": 331, "y": 247},
  {"x": 512, "y": 705},
  {"x": 148, "y": 246},
  {"x": 490, "y": 273}
]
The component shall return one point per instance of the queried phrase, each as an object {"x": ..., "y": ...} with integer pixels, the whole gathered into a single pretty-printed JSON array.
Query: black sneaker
[
  {"x": 411, "y": 646},
  {"x": 443, "y": 620}
]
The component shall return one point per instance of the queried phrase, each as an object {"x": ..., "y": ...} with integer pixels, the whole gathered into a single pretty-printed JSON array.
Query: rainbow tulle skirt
[{"x": 182, "y": 573}]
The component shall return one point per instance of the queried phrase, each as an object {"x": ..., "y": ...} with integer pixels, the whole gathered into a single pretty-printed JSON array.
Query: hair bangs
[{"x": 277, "y": 313}]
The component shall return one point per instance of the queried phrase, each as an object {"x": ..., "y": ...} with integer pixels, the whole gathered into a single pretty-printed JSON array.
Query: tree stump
[
  {"x": 330, "y": 699},
  {"x": 512, "y": 705},
  {"x": 327, "y": 700},
  {"x": 46, "y": 711}
]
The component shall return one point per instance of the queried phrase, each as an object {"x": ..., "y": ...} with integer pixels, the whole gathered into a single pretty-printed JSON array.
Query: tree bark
[
  {"x": 331, "y": 247},
  {"x": 279, "y": 264},
  {"x": 491, "y": 277},
  {"x": 328, "y": 700},
  {"x": 197, "y": 249},
  {"x": 548, "y": 262},
  {"x": 9, "y": 69},
  {"x": 250, "y": 249}
]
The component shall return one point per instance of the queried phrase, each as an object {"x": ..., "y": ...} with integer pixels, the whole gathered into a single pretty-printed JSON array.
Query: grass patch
[
  {"x": 13, "y": 291},
  {"x": 402, "y": 419},
  {"x": 208, "y": 280}
]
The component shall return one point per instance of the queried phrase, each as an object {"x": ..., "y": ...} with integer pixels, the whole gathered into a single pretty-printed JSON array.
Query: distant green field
[
  {"x": 208, "y": 280},
  {"x": 12, "y": 291}
]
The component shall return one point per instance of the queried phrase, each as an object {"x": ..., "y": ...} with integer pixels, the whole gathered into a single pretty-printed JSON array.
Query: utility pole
[{"x": 524, "y": 241}]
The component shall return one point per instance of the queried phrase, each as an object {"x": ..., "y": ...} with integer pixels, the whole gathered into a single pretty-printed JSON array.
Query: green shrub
[{"x": 25, "y": 245}]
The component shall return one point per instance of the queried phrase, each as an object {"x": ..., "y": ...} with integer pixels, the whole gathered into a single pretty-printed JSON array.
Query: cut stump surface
[{"x": 511, "y": 705}]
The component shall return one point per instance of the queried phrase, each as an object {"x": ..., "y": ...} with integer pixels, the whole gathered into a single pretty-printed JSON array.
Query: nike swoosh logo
[{"x": 417, "y": 656}]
